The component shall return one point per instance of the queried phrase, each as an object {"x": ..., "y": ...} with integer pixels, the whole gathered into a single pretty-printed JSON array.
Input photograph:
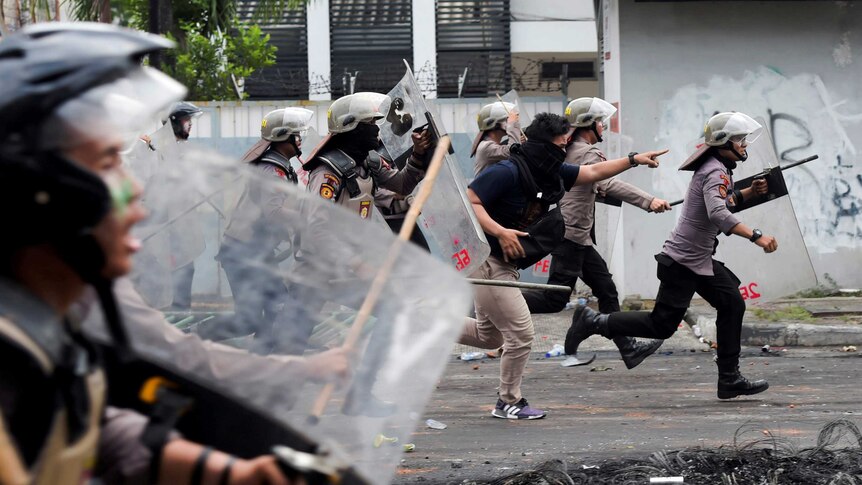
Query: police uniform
[
  {"x": 577, "y": 257},
  {"x": 53, "y": 419},
  {"x": 489, "y": 152},
  {"x": 262, "y": 212},
  {"x": 686, "y": 266},
  {"x": 335, "y": 176}
]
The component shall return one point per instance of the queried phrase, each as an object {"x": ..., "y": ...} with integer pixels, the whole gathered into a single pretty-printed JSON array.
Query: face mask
[{"x": 365, "y": 136}]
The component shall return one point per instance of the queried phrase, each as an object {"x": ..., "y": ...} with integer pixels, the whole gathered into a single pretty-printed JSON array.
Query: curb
[{"x": 781, "y": 334}]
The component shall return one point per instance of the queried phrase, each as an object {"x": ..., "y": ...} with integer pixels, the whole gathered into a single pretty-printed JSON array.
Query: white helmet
[
  {"x": 583, "y": 112},
  {"x": 492, "y": 114},
  {"x": 279, "y": 124},
  {"x": 348, "y": 111}
]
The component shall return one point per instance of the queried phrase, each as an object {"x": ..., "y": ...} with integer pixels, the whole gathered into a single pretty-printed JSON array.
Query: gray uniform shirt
[
  {"x": 489, "y": 152},
  {"x": 707, "y": 211},
  {"x": 579, "y": 203}
]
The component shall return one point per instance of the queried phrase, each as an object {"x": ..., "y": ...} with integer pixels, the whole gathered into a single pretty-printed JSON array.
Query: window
[{"x": 575, "y": 70}]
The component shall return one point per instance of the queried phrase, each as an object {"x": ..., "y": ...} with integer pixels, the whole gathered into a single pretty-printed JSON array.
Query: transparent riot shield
[
  {"x": 309, "y": 142},
  {"x": 272, "y": 343},
  {"x": 447, "y": 220},
  {"x": 608, "y": 211},
  {"x": 525, "y": 117},
  {"x": 175, "y": 239},
  {"x": 787, "y": 270}
]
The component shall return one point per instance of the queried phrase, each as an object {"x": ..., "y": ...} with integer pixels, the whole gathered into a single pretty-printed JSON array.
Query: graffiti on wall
[{"x": 804, "y": 119}]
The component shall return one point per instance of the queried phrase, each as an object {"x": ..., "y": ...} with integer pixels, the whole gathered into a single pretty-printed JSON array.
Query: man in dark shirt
[{"x": 504, "y": 208}]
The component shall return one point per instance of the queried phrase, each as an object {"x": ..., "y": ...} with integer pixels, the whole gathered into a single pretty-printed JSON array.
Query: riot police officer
[
  {"x": 577, "y": 256},
  {"x": 686, "y": 265},
  {"x": 72, "y": 206},
  {"x": 261, "y": 212},
  {"x": 495, "y": 121}
]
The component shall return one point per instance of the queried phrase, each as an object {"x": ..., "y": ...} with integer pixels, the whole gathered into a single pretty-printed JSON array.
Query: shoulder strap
[
  {"x": 345, "y": 167},
  {"x": 528, "y": 184},
  {"x": 277, "y": 159}
]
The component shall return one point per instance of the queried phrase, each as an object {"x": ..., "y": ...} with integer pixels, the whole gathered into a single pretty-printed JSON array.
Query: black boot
[
  {"x": 731, "y": 383},
  {"x": 634, "y": 352},
  {"x": 585, "y": 322}
]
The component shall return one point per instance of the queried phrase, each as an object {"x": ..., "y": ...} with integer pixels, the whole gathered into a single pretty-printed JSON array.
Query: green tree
[
  {"x": 215, "y": 47},
  {"x": 214, "y": 66}
]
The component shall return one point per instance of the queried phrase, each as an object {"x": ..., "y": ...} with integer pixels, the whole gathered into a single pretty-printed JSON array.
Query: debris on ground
[
  {"x": 756, "y": 456},
  {"x": 849, "y": 348},
  {"x": 600, "y": 369},
  {"x": 434, "y": 424}
]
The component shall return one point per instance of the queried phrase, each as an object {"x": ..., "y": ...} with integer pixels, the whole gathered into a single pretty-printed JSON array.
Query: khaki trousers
[{"x": 502, "y": 318}]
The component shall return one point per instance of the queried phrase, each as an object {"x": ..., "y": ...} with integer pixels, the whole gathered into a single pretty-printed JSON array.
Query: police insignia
[
  {"x": 725, "y": 180},
  {"x": 331, "y": 179},
  {"x": 280, "y": 172},
  {"x": 327, "y": 191},
  {"x": 722, "y": 191},
  {"x": 364, "y": 209}
]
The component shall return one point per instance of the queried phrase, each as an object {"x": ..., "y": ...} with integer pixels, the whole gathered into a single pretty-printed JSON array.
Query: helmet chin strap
[
  {"x": 292, "y": 141},
  {"x": 740, "y": 157},
  {"x": 595, "y": 129}
]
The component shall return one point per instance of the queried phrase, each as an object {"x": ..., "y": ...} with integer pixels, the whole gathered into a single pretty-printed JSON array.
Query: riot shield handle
[
  {"x": 316, "y": 469},
  {"x": 766, "y": 172},
  {"x": 435, "y": 132},
  {"x": 377, "y": 285}
]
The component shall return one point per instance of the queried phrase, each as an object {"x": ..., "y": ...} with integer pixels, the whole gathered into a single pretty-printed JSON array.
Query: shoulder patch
[
  {"x": 279, "y": 172},
  {"x": 722, "y": 191},
  {"x": 364, "y": 209},
  {"x": 327, "y": 191},
  {"x": 331, "y": 179},
  {"x": 725, "y": 180}
]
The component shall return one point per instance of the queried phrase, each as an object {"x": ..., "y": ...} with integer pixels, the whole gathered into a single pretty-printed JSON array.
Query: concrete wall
[{"x": 792, "y": 63}]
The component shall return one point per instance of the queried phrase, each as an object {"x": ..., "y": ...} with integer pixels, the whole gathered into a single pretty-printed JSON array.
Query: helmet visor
[
  {"x": 743, "y": 129},
  {"x": 297, "y": 120},
  {"x": 370, "y": 107},
  {"x": 123, "y": 109},
  {"x": 602, "y": 111}
]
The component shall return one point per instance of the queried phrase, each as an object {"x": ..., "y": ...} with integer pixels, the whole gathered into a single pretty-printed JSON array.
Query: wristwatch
[
  {"x": 755, "y": 235},
  {"x": 632, "y": 161}
]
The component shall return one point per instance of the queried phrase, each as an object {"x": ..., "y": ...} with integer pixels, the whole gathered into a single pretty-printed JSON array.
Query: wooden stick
[
  {"x": 509, "y": 113},
  {"x": 382, "y": 276}
]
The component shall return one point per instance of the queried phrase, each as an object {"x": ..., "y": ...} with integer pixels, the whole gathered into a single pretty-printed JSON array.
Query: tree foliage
[{"x": 214, "y": 45}]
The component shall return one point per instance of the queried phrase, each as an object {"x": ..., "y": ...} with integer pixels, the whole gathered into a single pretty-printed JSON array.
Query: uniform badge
[
  {"x": 722, "y": 191},
  {"x": 331, "y": 179},
  {"x": 725, "y": 180},
  {"x": 327, "y": 191},
  {"x": 364, "y": 209},
  {"x": 280, "y": 172}
]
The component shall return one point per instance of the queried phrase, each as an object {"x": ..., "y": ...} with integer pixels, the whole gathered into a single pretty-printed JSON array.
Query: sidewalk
[{"x": 807, "y": 322}]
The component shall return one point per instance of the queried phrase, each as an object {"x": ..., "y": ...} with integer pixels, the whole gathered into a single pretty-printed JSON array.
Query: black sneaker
[{"x": 519, "y": 410}]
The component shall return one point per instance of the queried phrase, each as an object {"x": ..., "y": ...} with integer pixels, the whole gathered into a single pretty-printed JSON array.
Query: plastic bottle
[
  {"x": 473, "y": 355},
  {"x": 434, "y": 424},
  {"x": 557, "y": 351}
]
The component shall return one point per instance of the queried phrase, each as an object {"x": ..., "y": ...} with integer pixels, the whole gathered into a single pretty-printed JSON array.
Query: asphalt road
[{"x": 667, "y": 403}]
